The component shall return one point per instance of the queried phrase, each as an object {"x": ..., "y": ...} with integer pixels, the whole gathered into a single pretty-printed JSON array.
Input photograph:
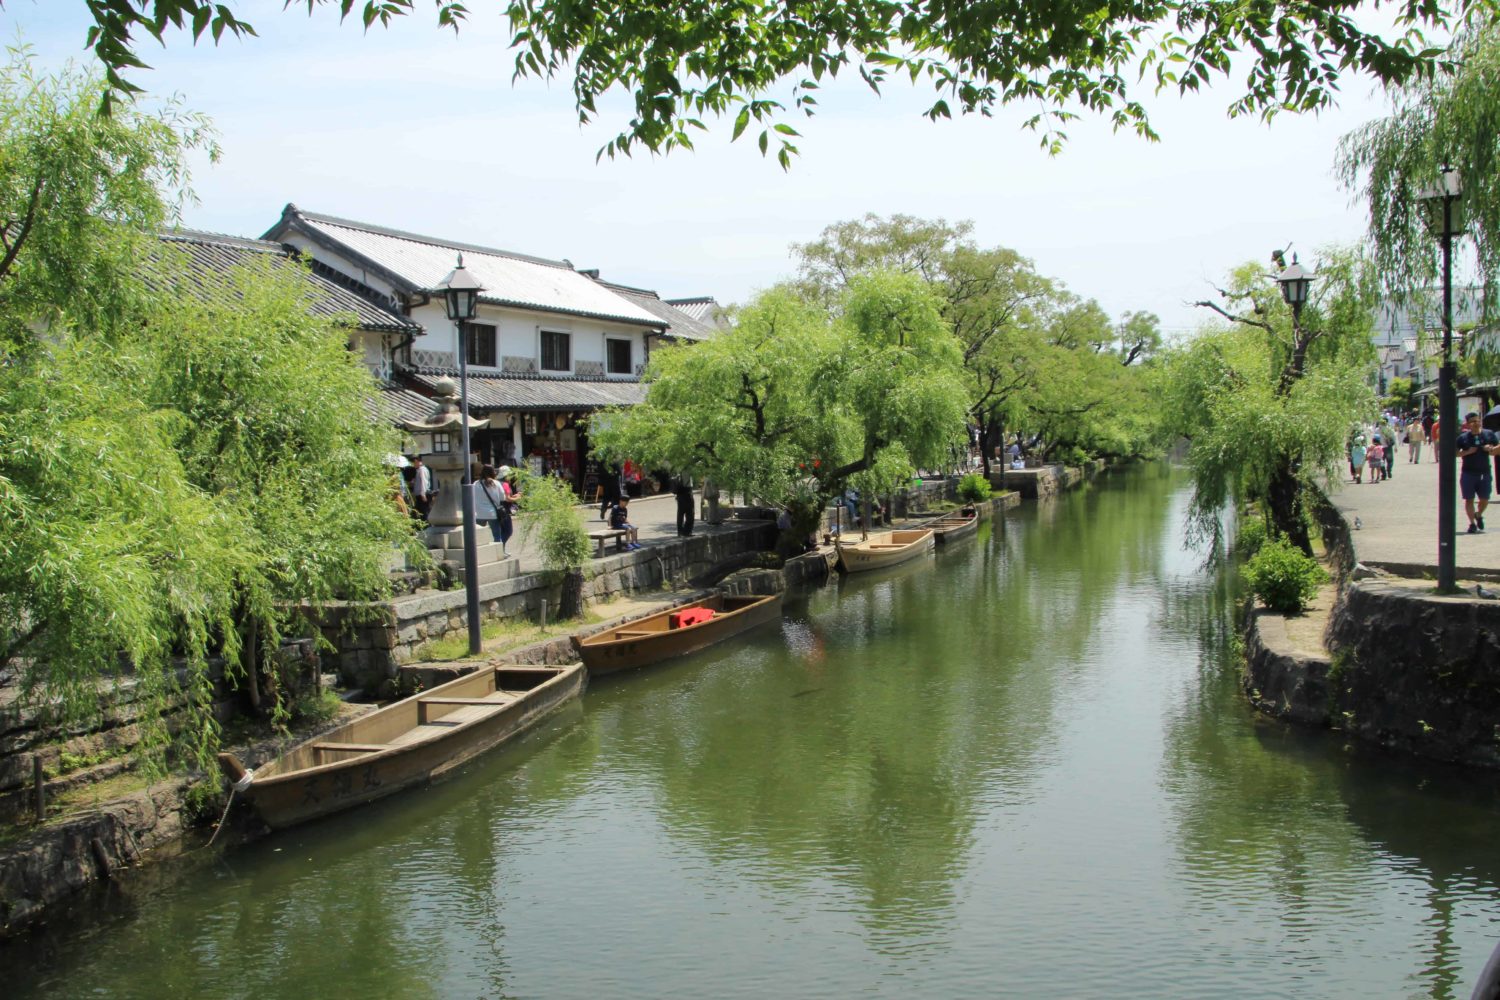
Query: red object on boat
[{"x": 691, "y": 616}]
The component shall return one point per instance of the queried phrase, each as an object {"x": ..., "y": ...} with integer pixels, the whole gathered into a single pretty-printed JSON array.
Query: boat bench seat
[
  {"x": 633, "y": 633},
  {"x": 602, "y": 536},
  {"x": 353, "y": 747},
  {"x": 496, "y": 699}
]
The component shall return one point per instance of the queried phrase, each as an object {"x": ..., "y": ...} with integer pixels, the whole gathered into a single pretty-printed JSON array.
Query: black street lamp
[
  {"x": 1444, "y": 222},
  {"x": 461, "y": 297},
  {"x": 1294, "y": 282}
]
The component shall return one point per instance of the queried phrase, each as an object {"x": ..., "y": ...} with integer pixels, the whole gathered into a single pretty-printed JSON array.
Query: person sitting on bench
[{"x": 619, "y": 519}]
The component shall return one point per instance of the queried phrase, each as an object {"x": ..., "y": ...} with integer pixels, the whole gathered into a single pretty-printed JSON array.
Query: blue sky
[{"x": 414, "y": 128}]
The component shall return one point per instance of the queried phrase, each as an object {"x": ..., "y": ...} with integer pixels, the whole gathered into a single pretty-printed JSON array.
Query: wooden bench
[
  {"x": 494, "y": 700},
  {"x": 603, "y": 535},
  {"x": 353, "y": 747}
]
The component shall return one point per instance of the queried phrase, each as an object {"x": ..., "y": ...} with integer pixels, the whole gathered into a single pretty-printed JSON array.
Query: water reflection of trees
[
  {"x": 1281, "y": 824},
  {"x": 859, "y": 748},
  {"x": 895, "y": 711}
]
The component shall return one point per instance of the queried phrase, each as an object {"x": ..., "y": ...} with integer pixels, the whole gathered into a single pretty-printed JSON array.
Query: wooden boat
[
  {"x": 884, "y": 548},
  {"x": 406, "y": 743},
  {"x": 953, "y": 527},
  {"x": 643, "y": 641}
]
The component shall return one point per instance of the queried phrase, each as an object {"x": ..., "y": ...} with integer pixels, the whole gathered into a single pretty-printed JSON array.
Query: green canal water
[{"x": 1020, "y": 768}]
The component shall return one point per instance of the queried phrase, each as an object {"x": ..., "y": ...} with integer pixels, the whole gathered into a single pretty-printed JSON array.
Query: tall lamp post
[
  {"x": 1443, "y": 219},
  {"x": 461, "y": 297}
]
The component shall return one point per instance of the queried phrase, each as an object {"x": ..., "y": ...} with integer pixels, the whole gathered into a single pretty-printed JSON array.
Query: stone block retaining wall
[
  {"x": 373, "y": 641},
  {"x": 1408, "y": 669},
  {"x": 1043, "y": 481}
]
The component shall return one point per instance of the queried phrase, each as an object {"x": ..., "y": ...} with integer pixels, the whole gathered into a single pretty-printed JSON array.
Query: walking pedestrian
[
  {"x": 1475, "y": 445},
  {"x": 612, "y": 489},
  {"x": 1357, "y": 457},
  {"x": 1388, "y": 448},
  {"x": 423, "y": 487},
  {"x": 684, "y": 492},
  {"x": 1375, "y": 458},
  {"x": 492, "y": 504},
  {"x": 1416, "y": 436}
]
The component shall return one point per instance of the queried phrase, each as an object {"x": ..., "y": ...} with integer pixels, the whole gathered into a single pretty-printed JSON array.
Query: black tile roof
[
  {"x": 209, "y": 258},
  {"x": 680, "y": 325},
  {"x": 536, "y": 392}
]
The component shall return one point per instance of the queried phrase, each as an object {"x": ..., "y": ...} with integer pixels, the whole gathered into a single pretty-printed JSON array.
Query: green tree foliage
[
  {"x": 180, "y": 465},
  {"x": 1139, "y": 336},
  {"x": 82, "y": 195},
  {"x": 1267, "y": 412},
  {"x": 267, "y": 402},
  {"x": 1398, "y": 394},
  {"x": 1449, "y": 118},
  {"x": 553, "y": 518},
  {"x": 761, "y": 60},
  {"x": 795, "y": 402},
  {"x": 1036, "y": 356}
]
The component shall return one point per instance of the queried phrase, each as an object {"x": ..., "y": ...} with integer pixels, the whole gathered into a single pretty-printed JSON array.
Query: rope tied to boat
[{"x": 238, "y": 786}]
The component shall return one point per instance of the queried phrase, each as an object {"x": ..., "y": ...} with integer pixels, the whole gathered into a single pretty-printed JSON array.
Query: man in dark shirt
[{"x": 1475, "y": 446}]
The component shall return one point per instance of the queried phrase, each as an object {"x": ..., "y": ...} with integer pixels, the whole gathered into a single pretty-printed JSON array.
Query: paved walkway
[
  {"x": 654, "y": 517},
  {"x": 1398, "y": 522}
]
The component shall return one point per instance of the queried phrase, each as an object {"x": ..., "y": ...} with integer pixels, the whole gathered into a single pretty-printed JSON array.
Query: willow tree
[
  {"x": 1267, "y": 409},
  {"x": 991, "y": 297},
  {"x": 796, "y": 403},
  {"x": 1448, "y": 119},
  {"x": 180, "y": 467},
  {"x": 761, "y": 61},
  {"x": 1034, "y": 353}
]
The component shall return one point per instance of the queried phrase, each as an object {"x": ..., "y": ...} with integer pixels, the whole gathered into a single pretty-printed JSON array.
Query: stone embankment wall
[
  {"x": 1044, "y": 481},
  {"x": 90, "y": 847},
  {"x": 1405, "y": 668},
  {"x": 373, "y": 641}
]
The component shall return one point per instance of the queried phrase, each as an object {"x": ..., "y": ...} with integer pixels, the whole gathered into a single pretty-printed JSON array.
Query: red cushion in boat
[{"x": 691, "y": 616}]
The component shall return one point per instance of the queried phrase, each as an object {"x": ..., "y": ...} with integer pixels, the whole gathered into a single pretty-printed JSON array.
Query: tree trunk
[
  {"x": 570, "y": 602},
  {"x": 250, "y": 654},
  {"x": 1284, "y": 497}
]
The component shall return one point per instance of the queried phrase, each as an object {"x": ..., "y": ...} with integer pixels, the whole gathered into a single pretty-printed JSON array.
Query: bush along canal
[{"x": 1021, "y": 765}]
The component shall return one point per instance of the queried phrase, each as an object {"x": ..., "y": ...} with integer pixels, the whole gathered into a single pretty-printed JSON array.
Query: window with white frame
[
  {"x": 557, "y": 351},
  {"x": 617, "y": 359}
]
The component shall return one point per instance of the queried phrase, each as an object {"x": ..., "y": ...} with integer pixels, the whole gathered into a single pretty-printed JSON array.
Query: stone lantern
[{"x": 445, "y": 522}]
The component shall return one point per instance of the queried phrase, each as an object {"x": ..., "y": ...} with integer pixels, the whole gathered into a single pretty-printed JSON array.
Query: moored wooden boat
[
  {"x": 884, "y": 548},
  {"x": 643, "y": 641},
  {"x": 955, "y": 526},
  {"x": 406, "y": 743}
]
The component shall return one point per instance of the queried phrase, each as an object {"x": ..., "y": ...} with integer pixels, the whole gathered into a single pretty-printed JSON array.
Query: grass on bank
[{"x": 511, "y": 633}]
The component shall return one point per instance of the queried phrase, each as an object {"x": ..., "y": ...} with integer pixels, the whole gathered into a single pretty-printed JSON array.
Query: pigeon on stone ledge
[{"x": 1358, "y": 524}]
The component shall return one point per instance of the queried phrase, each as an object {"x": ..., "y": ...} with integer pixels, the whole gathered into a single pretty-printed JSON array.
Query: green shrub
[
  {"x": 1283, "y": 577},
  {"x": 1252, "y": 535},
  {"x": 555, "y": 523},
  {"x": 974, "y": 488}
]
